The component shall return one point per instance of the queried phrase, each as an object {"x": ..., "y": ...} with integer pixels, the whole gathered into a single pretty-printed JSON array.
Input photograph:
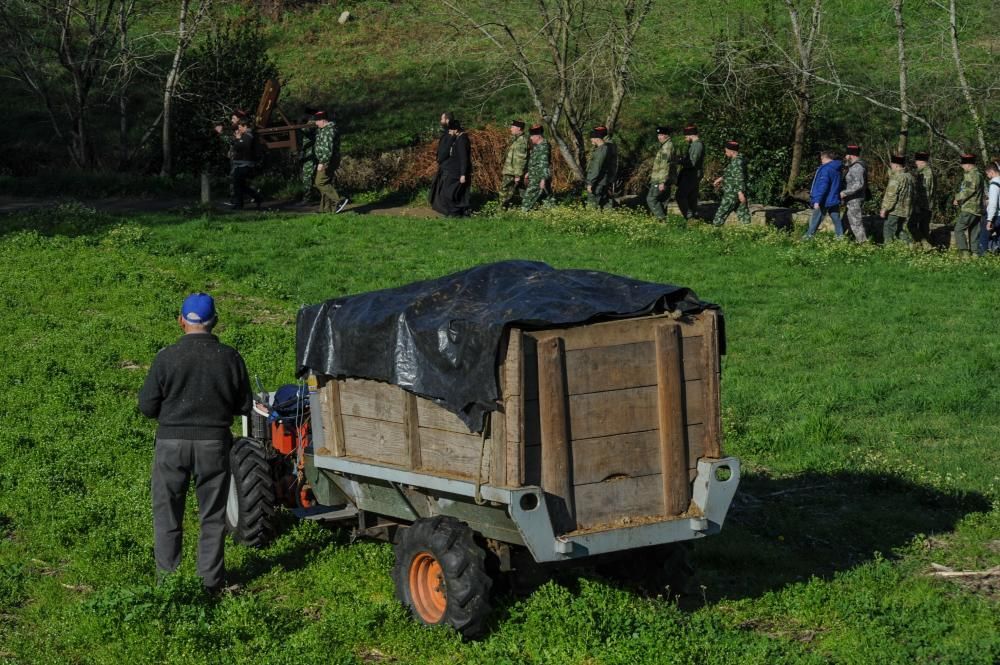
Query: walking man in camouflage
[
  {"x": 855, "y": 191},
  {"x": 538, "y": 181},
  {"x": 689, "y": 177},
  {"x": 897, "y": 201},
  {"x": 602, "y": 169},
  {"x": 307, "y": 157},
  {"x": 327, "y": 162},
  {"x": 923, "y": 194},
  {"x": 662, "y": 175},
  {"x": 514, "y": 162},
  {"x": 969, "y": 200},
  {"x": 734, "y": 187}
]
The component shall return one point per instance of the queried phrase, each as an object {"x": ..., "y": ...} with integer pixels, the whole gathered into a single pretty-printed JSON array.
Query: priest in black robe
[{"x": 450, "y": 189}]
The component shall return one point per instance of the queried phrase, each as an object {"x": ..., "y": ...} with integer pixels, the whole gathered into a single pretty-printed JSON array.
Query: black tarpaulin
[{"x": 441, "y": 338}]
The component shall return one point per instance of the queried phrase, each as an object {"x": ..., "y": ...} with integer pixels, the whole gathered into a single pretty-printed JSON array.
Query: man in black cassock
[{"x": 450, "y": 189}]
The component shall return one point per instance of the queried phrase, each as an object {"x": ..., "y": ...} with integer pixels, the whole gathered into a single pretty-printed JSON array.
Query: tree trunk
[
  {"x": 167, "y": 168},
  {"x": 904, "y": 119},
  {"x": 803, "y": 94},
  {"x": 964, "y": 83}
]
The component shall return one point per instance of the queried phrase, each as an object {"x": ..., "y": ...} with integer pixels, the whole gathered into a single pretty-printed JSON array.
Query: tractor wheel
[
  {"x": 250, "y": 505},
  {"x": 440, "y": 575}
]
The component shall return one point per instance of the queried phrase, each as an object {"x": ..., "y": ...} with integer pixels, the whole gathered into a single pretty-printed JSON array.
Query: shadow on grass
[{"x": 781, "y": 531}]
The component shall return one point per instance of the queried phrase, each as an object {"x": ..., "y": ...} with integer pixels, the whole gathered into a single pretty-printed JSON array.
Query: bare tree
[
  {"x": 187, "y": 26},
  {"x": 46, "y": 40},
  {"x": 805, "y": 46},
  {"x": 963, "y": 82},
  {"x": 904, "y": 118},
  {"x": 574, "y": 58}
]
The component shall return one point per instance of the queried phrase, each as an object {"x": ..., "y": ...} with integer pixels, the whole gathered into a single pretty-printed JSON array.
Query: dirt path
[{"x": 125, "y": 205}]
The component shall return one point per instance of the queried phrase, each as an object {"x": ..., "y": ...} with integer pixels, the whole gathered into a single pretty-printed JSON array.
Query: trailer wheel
[
  {"x": 250, "y": 504},
  {"x": 440, "y": 575}
]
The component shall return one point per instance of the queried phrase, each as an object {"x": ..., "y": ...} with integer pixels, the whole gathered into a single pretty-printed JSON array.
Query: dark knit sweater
[{"x": 194, "y": 389}]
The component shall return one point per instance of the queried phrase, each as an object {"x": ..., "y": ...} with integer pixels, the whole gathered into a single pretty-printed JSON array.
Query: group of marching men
[
  {"x": 908, "y": 198},
  {"x": 526, "y": 173}
]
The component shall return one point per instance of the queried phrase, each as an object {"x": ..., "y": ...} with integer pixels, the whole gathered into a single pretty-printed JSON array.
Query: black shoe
[{"x": 343, "y": 204}]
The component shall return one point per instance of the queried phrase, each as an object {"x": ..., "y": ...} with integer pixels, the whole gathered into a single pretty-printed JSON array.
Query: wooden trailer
[{"x": 613, "y": 427}]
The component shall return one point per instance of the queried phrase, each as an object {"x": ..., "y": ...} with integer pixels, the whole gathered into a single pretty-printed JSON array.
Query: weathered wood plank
[
  {"x": 613, "y": 333},
  {"x": 712, "y": 446},
  {"x": 430, "y": 414},
  {"x": 333, "y": 425},
  {"x": 450, "y": 453},
  {"x": 378, "y": 440},
  {"x": 633, "y": 454},
  {"x": 556, "y": 463},
  {"x": 412, "y": 425},
  {"x": 673, "y": 449},
  {"x": 623, "y": 411},
  {"x": 614, "y": 500},
  {"x": 498, "y": 448},
  {"x": 371, "y": 399},
  {"x": 514, "y": 408},
  {"x": 624, "y": 366}
]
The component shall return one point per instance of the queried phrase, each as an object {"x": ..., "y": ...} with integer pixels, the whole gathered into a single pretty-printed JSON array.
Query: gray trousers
[
  {"x": 967, "y": 231},
  {"x": 855, "y": 217},
  {"x": 174, "y": 462},
  {"x": 655, "y": 199}
]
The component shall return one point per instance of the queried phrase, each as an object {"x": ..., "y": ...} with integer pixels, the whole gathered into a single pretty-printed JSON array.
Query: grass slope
[{"x": 857, "y": 390}]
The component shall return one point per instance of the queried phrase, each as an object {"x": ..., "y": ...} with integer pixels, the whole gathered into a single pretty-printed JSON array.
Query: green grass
[{"x": 857, "y": 390}]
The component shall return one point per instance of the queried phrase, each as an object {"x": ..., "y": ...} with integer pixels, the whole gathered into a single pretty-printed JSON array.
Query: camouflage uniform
[
  {"x": 689, "y": 178},
  {"x": 970, "y": 211},
  {"x": 855, "y": 188},
  {"x": 601, "y": 173},
  {"x": 734, "y": 180},
  {"x": 514, "y": 161},
  {"x": 919, "y": 224},
  {"x": 308, "y": 159},
  {"x": 897, "y": 202},
  {"x": 327, "y": 154},
  {"x": 539, "y": 168},
  {"x": 662, "y": 174}
]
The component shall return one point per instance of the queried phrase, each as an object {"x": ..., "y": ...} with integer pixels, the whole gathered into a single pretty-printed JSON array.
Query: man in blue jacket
[{"x": 824, "y": 196}]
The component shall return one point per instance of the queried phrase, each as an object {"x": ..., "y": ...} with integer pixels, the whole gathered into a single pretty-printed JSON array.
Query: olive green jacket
[
  {"x": 516, "y": 157},
  {"x": 898, "y": 197},
  {"x": 603, "y": 167},
  {"x": 923, "y": 195},
  {"x": 663, "y": 164},
  {"x": 970, "y": 193}
]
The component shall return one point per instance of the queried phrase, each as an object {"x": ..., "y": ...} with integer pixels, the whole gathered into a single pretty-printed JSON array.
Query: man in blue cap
[{"x": 194, "y": 389}]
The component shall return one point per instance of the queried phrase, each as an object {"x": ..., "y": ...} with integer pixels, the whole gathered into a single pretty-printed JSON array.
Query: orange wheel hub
[{"x": 427, "y": 588}]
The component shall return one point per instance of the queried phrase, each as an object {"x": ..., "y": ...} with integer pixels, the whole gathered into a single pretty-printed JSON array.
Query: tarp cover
[{"x": 441, "y": 338}]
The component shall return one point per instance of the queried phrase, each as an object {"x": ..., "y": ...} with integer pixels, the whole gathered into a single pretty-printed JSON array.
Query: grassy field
[{"x": 857, "y": 390}]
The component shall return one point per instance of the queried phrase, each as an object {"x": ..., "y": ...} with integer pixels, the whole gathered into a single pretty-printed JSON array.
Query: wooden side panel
[
  {"x": 712, "y": 446},
  {"x": 673, "y": 450},
  {"x": 617, "y": 500},
  {"x": 557, "y": 481},
  {"x": 372, "y": 399},
  {"x": 377, "y": 440},
  {"x": 451, "y": 453},
  {"x": 514, "y": 367},
  {"x": 333, "y": 424},
  {"x": 411, "y": 422}
]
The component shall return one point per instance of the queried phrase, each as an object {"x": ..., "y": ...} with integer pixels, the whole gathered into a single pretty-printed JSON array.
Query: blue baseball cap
[{"x": 198, "y": 309}]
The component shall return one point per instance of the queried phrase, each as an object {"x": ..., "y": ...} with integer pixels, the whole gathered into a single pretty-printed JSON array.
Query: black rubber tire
[
  {"x": 251, "y": 503},
  {"x": 463, "y": 564}
]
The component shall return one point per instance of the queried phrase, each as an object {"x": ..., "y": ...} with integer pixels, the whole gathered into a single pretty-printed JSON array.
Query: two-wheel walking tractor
[{"x": 605, "y": 437}]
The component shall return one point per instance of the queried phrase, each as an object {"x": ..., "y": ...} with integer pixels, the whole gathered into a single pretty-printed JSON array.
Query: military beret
[
  {"x": 598, "y": 132},
  {"x": 968, "y": 158},
  {"x": 663, "y": 129},
  {"x": 537, "y": 130},
  {"x": 922, "y": 156},
  {"x": 319, "y": 115},
  {"x": 690, "y": 130},
  {"x": 853, "y": 149},
  {"x": 898, "y": 159},
  {"x": 517, "y": 123},
  {"x": 733, "y": 145}
]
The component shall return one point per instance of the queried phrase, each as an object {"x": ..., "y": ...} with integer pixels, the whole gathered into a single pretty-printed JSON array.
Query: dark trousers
[
  {"x": 174, "y": 462},
  {"x": 240, "y": 186},
  {"x": 598, "y": 198},
  {"x": 919, "y": 226},
  {"x": 687, "y": 193}
]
